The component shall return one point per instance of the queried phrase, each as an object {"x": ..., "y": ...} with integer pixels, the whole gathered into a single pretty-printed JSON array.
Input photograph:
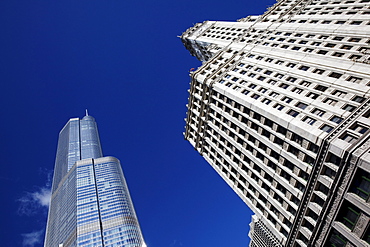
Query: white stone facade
[{"x": 279, "y": 106}]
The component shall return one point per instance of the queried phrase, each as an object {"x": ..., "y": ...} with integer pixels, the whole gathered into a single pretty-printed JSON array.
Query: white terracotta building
[{"x": 280, "y": 108}]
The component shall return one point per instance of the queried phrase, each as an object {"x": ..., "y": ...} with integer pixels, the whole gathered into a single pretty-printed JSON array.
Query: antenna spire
[{"x": 87, "y": 113}]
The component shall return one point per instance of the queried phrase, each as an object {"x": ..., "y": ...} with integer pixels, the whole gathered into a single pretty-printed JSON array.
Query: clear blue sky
[{"x": 122, "y": 60}]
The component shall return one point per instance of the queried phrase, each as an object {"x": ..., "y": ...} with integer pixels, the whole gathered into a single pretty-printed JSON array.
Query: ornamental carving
[{"x": 360, "y": 225}]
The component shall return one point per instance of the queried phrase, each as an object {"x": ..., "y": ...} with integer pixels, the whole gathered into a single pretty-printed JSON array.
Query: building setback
[
  {"x": 90, "y": 202},
  {"x": 280, "y": 109}
]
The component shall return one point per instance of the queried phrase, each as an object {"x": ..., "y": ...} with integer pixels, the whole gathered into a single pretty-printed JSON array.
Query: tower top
[{"x": 87, "y": 113}]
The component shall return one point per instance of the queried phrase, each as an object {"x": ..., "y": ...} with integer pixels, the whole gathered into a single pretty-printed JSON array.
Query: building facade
[
  {"x": 90, "y": 203},
  {"x": 280, "y": 109}
]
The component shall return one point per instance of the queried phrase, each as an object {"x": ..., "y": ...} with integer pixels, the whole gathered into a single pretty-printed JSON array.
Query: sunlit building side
[{"x": 280, "y": 109}]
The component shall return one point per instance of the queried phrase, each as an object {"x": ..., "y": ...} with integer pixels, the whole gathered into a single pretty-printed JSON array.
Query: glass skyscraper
[{"x": 90, "y": 203}]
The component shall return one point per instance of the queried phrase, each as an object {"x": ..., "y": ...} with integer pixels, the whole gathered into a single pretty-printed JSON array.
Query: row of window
[{"x": 256, "y": 174}]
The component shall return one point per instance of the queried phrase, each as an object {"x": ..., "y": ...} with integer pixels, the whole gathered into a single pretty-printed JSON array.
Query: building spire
[{"x": 87, "y": 113}]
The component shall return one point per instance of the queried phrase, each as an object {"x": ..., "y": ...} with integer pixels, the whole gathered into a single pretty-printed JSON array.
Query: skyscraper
[
  {"x": 90, "y": 203},
  {"x": 280, "y": 109}
]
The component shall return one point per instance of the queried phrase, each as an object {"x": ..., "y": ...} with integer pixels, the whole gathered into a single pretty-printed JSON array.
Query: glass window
[
  {"x": 358, "y": 99},
  {"x": 326, "y": 128},
  {"x": 318, "y": 112},
  {"x": 279, "y": 107},
  {"x": 349, "y": 108},
  {"x": 309, "y": 120},
  {"x": 361, "y": 184},
  {"x": 348, "y": 215},
  {"x": 336, "y": 239},
  {"x": 301, "y": 105},
  {"x": 292, "y": 113},
  {"x": 336, "y": 119}
]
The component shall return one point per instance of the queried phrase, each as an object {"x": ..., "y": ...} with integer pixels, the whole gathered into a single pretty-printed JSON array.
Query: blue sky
[{"x": 123, "y": 61}]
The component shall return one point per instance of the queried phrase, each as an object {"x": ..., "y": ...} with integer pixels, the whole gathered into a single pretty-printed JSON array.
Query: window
[
  {"x": 274, "y": 94},
  {"x": 338, "y": 54},
  {"x": 297, "y": 90},
  {"x": 358, "y": 99},
  {"x": 252, "y": 75},
  {"x": 339, "y": 93},
  {"x": 336, "y": 239},
  {"x": 335, "y": 75},
  {"x": 330, "y": 45},
  {"x": 354, "y": 40},
  {"x": 359, "y": 128},
  {"x": 245, "y": 92},
  {"x": 316, "y": 43},
  {"x": 318, "y": 112},
  {"x": 279, "y": 107},
  {"x": 322, "y": 52},
  {"x": 252, "y": 86},
  {"x": 326, "y": 128},
  {"x": 304, "y": 68},
  {"x": 349, "y": 108},
  {"x": 361, "y": 184},
  {"x": 268, "y": 72},
  {"x": 348, "y": 215},
  {"x": 279, "y": 76},
  {"x": 308, "y": 50},
  {"x": 292, "y": 113},
  {"x": 291, "y": 79},
  {"x": 356, "y": 22},
  {"x": 318, "y": 71},
  {"x": 279, "y": 62},
  {"x": 330, "y": 101},
  {"x": 266, "y": 101},
  {"x": 312, "y": 95},
  {"x": 305, "y": 83},
  {"x": 336, "y": 119},
  {"x": 340, "y": 22},
  {"x": 349, "y": 138},
  {"x": 255, "y": 96},
  {"x": 346, "y": 47},
  {"x": 262, "y": 90},
  {"x": 261, "y": 78},
  {"x": 287, "y": 100},
  {"x": 338, "y": 38},
  {"x": 354, "y": 79},
  {"x": 353, "y": 56},
  {"x": 301, "y": 105},
  {"x": 309, "y": 120},
  {"x": 291, "y": 65},
  {"x": 284, "y": 85},
  {"x": 321, "y": 88}
]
